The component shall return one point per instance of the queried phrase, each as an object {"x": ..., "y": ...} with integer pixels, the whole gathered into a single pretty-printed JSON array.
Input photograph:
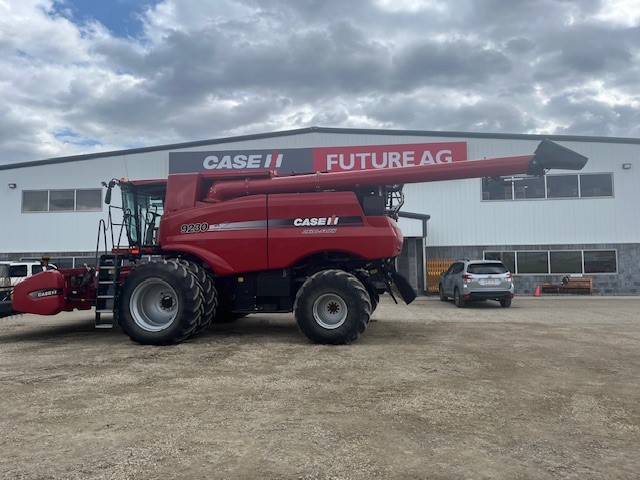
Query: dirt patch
[{"x": 546, "y": 389}]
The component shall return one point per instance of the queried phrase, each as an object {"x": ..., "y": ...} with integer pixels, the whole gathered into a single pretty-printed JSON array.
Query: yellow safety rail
[{"x": 434, "y": 269}]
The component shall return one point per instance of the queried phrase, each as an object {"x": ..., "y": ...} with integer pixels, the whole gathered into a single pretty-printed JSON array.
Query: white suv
[{"x": 468, "y": 280}]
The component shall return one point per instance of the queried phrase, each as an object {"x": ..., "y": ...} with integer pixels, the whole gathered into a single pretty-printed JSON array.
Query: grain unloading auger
[{"x": 221, "y": 245}]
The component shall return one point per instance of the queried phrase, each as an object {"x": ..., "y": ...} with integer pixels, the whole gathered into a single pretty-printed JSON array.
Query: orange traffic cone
[{"x": 537, "y": 291}]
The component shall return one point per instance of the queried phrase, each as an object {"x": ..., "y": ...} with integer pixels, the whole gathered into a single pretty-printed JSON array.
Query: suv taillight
[
  {"x": 467, "y": 277},
  {"x": 509, "y": 276}
]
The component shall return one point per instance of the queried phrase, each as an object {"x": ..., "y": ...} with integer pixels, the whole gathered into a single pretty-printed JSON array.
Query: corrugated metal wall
[{"x": 458, "y": 214}]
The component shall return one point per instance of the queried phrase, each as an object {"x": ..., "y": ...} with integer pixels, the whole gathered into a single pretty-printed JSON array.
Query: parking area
[{"x": 546, "y": 389}]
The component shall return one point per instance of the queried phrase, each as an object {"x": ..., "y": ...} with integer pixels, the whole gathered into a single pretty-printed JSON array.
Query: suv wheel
[
  {"x": 505, "y": 302},
  {"x": 458, "y": 300},
  {"x": 443, "y": 297}
]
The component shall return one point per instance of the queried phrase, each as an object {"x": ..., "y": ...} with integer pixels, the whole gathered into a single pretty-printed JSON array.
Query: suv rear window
[{"x": 486, "y": 268}]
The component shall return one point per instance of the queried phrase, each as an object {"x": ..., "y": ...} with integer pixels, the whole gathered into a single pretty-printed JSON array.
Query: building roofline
[{"x": 335, "y": 130}]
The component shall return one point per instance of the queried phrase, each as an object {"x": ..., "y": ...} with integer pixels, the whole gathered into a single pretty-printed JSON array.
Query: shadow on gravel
[
  {"x": 55, "y": 332},
  {"x": 490, "y": 304},
  {"x": 279, "y": 331}
]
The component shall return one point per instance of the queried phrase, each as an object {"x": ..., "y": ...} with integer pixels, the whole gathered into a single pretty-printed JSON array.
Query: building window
[
  {"x": 566, "y": 262},
  {"x": 496, "y": 189},
  {"x": 532, "y": 262},
  {"x": 562, "y": 186},
  {"x": 529, "y": 187},
  {"x": 84, "y": 200},
  {"x": 61, "y": 200},
  {"x": 35, "y": 201},
  {"x": 88, "y": 200},
  {"x": 599, "y": 261},
  {"x": 585, "y": 185},
  {"x": 507, "y": 258},
  {"x": 596, "y": 185}
]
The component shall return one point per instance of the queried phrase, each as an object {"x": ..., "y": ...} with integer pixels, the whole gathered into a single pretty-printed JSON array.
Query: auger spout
[{"x": 548, "y": 155}]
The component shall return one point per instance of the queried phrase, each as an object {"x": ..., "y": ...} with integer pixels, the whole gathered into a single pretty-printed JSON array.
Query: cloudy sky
[{"x": 79, "y": 76}]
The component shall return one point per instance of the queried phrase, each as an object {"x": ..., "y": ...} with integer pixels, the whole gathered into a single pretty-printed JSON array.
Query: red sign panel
[{"x": 341, "y": 159}]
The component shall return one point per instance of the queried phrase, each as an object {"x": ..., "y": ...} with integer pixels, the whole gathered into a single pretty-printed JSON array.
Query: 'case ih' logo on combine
[
  {"x": 315, "y": 221},
  {"x": 46, "y": 293}
]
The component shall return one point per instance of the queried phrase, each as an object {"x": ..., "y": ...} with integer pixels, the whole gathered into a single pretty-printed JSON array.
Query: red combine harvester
[{"x": 226, "y": 244}]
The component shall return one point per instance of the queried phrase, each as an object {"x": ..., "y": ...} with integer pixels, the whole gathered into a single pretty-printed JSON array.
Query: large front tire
[
  {"x": 332, "y": 307},
  {"x": 161, "y": 303}
]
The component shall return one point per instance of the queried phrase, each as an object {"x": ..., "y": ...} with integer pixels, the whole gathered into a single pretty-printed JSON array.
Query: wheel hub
[
  {"x": 330, "y": 311},
  {"x": 154, "y": 305},
  {"x": 166, "y": 302}
]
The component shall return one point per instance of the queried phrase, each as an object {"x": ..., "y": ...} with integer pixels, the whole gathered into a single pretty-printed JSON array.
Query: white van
[{"x": 18, "y": 271}]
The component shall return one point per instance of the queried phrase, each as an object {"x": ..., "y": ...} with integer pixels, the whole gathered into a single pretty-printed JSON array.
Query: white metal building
[{"x": 569, "y": 223}]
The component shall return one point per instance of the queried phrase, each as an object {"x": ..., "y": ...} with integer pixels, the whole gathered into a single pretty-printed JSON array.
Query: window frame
[
  {"x": 514, "y": 179},
  {"x": 75, "y": 200},
  {"x": 500, "y": 253}
]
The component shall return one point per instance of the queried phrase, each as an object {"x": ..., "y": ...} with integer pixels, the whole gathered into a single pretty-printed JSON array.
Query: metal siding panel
[
  {"x": 458, "y": 215},
  {"x": 410, "y": 227},
  {"x": 66, "y": 231}
]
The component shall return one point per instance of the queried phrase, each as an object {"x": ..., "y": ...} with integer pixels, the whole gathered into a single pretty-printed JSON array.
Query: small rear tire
[
  {"x": 505, "y": 302},
  {"x": 458, "y": 299},
  {"x": 332, "y": 307},
  {"x": 374, "y": 296}
]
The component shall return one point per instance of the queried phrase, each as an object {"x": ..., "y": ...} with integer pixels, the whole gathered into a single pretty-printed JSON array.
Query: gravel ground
[{"x": 546, "y": 389}]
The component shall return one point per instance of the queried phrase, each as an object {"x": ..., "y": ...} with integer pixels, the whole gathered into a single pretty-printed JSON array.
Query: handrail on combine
[{"x": 107, "y": 226}]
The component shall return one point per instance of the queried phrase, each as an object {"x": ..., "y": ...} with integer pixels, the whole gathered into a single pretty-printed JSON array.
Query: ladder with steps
[
  {"x": 108, "y": 289},
  {"x": 109, "y": 265}
]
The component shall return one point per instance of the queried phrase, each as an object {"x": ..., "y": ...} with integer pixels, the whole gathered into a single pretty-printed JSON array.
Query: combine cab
[{"x": 216, "y": 246}]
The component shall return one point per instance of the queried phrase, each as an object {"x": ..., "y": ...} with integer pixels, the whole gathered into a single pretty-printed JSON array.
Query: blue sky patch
[
  {"x": 67, "y": 135},
  {"x": 121, "y": 17}
]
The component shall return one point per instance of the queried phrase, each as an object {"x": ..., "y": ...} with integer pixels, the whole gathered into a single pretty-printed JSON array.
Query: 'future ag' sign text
[
  {"x": 340, "y": 159},
  {"x": 324, "y": 159}
]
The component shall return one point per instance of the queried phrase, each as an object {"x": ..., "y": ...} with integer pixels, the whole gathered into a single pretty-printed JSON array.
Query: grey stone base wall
[
  {"x": 411, "y": 263},
  {"x": 625, "y": 282}
]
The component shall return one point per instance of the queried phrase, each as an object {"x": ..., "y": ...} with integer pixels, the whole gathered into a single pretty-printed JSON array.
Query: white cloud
[
  {"x": 621, "y": 12},
  {"x": 411, "y": 5},
  {"x": 204, "y": 69}
]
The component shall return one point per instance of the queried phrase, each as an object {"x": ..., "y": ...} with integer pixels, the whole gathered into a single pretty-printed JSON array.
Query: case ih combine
[{"x": 227, "y": 244}]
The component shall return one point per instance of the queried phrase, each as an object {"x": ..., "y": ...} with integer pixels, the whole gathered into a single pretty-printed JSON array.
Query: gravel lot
[{"x": 546, "y": 389}]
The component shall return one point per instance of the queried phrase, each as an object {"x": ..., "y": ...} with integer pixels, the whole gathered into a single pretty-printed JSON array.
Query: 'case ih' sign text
[{"x": 324, "y": 159}]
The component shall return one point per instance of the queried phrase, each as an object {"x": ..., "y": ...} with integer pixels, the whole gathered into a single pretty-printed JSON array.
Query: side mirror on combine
[{"x": 107, "y": 196}]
